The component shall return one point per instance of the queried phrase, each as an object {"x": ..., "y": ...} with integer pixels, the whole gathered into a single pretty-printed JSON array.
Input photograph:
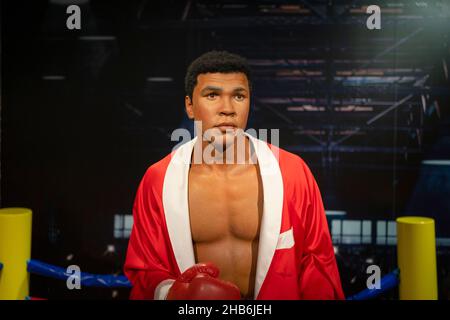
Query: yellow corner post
[
  {"x": 416, "y": 258},
  {"x": 15, "y": 250}
]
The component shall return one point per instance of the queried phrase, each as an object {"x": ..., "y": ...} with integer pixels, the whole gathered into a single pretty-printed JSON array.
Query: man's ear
[{"x": 189, "y": 107}]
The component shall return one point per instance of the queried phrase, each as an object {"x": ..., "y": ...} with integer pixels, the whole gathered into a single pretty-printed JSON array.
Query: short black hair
[{"x": 215, "y": 61}]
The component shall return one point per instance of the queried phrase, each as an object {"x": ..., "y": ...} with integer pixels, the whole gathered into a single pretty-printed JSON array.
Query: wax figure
[{"x": 251, "y": 226}]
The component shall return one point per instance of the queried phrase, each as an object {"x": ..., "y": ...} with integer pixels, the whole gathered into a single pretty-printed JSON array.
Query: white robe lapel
[
  {"x": 272, "y": 209},
  {"x": 175, "y": 202},
  {"x": 176, "y": 208}
]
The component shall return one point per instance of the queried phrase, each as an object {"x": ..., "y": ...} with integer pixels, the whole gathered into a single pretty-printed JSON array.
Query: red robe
[{"x": 295, "y": 255}]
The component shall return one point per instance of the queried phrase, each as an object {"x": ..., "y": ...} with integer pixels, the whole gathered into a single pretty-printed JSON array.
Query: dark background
[{"x": 84, "y": 114}]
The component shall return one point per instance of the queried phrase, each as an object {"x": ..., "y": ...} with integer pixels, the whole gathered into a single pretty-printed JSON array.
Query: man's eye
[
  {"x": 212, "y": 95},
  {"x": 240, "y": 97}
]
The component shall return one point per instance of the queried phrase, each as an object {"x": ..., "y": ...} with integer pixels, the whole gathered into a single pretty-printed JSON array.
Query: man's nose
[{"x": 227, "y": 108}]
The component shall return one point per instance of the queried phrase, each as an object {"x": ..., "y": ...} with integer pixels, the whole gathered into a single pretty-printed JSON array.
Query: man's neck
[{"x": 224, "y": 158}]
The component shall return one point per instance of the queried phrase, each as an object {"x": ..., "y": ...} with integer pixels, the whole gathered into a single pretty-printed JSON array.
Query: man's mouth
[{"x": 226, "y": 126}]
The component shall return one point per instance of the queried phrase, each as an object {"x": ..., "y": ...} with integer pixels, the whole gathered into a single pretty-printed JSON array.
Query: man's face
[{"x": 221, "y": 101}]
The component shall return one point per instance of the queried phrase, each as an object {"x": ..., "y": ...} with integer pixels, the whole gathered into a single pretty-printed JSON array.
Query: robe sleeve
[
  {"x": 147, "y": 264},
  {"x": 319, "y": 275}
]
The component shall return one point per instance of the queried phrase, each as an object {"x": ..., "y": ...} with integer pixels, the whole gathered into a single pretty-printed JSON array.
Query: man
[{"x": 229, "y": 223}]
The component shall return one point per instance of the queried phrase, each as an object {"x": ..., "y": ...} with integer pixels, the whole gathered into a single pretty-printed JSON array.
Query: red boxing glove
[{"x": 200, "y": 282}]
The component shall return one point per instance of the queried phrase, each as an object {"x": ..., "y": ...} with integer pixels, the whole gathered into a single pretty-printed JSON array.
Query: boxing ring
[{"x": 416, "y": 276}]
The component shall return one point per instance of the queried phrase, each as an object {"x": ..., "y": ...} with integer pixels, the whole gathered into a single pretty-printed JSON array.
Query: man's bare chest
[{"x": 223, "y": 206}]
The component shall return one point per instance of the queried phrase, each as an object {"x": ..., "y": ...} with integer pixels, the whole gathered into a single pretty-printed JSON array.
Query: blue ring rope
[
  {"x": 86, "y": 279},
  {"x": 389, "y": 281}
]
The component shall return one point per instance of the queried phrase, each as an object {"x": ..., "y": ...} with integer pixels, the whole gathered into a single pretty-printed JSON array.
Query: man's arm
[
  {"x": 319, "y": 275},
  {"x": 147, "y": 263}
]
